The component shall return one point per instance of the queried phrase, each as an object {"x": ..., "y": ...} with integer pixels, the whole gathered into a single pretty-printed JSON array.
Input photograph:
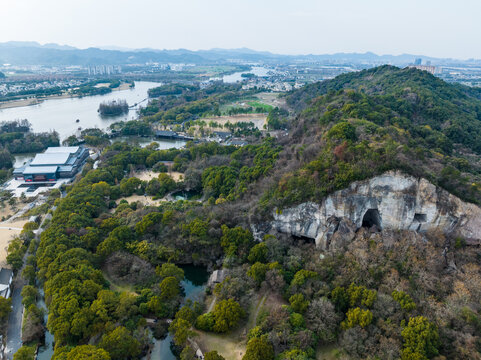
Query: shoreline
[{"x": 38, "y": 100}]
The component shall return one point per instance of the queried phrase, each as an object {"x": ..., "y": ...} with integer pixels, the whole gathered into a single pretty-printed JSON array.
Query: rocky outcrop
[{"x": 390, "y": 201}]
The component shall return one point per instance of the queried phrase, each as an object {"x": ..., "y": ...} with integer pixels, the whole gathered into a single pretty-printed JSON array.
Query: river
[{"x": 61, "y": 114}]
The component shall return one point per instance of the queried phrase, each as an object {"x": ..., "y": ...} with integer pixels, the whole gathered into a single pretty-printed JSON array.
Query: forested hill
[
  {"x": 416, "y": 95},
  {"x": 361, "y": 124},
  {"x": 386, "y": 80},
  {"x": 107, "y": 261}
]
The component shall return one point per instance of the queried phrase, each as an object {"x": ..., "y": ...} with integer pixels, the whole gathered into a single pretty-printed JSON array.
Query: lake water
[
  {"x": 60, "y": 114},
  {"x": 256, "y": 70}
]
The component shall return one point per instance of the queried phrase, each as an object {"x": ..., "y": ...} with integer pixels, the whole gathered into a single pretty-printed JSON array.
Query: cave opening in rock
[
  {"x": 304, "y": 239},
  {"x": 372, "y": 217},
  {"x": 420, "y": 218}
]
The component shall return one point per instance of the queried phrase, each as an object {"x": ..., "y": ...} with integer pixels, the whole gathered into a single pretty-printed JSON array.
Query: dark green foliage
[
  {"x": 225, "y": 316},
  {"x": 120, "y": 344},
  {"x": 298, "y": 303},
  {"x": 357, "y": 317},
  {"x": 258, "y": 253},
  {"x": 6, "y": 159},
  {"x": 382, "y": 119},
  {"x": 421, "y": 339},
  {"x": 190, "y": 103},
  {"x": 25, "y": 353},
  {"x": 213, "y": 355},
  {"x": 15, "y": 253},
  {"x": 259, "y": 349},
  {"x": 88, "y": 352},
  {"x": 5, "y": 307},
  {"x": 171, "y": 89},
  {"x": 29, "y": 295},
  {"x": 236, "y": 241},
  {"x": 342, "y": 131},
  {"x": 277, "y": 118},
  {"x": 16, "y": 138},
  {"x": 160, "y": 186},
  {"x": 132, "y": 127},
  {"x": 247, "y": 165},
  {"x": 404, "y": 300}
]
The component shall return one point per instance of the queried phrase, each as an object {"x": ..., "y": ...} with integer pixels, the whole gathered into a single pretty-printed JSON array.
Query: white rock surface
[{"x": 398, "y": 201}]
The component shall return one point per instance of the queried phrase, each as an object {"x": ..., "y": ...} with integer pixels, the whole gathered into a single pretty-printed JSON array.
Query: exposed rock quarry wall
[{"x": 390, "y": 201}]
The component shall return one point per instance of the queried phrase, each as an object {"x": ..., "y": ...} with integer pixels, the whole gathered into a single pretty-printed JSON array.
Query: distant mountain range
[{"x": 33, "y": 53}]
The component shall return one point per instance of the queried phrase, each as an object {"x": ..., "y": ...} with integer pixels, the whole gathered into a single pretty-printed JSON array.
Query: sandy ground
[
  {"x": 7, "y": 211},
  {"x": 177, "y": 176},
  {"x": 149, "y": 175},
  {"x": 146, "y": 200},
  {"x": 19, "y": 103},
  {"x": 7, "y": 232},
  {"x": 9, "y": 229},
  {"x": 145, "y": 175}
]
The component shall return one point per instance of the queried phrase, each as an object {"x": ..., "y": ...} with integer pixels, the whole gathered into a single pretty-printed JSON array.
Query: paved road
[
  {"x": 11, "y": 228},
  {"x": 14, "y": 329}
]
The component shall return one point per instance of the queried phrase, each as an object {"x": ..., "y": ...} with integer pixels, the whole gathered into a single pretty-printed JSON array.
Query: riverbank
[{"x": 38, "y": 100}]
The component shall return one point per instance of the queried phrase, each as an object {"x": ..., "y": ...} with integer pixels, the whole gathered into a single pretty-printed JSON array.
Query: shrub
[
  {"x": 355, "y": 317},
  {"x": 421, "y": 339},
  {"x": 404, "y": 300}
]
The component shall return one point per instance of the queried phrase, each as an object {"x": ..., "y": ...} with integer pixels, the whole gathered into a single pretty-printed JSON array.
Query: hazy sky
[{"x": 442, "y": 28}]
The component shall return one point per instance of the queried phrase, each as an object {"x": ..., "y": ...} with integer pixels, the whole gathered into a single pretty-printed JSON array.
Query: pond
[
  {"x": 186, "y": 195},
  {"x": 194, "y": 286}
]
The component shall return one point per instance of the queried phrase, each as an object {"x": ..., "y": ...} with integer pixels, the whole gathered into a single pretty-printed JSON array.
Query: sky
[{"x": 438, "y": 28}]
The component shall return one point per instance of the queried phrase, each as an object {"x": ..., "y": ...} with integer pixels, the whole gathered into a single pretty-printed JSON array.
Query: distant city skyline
[{"x": 429, "y": 28}]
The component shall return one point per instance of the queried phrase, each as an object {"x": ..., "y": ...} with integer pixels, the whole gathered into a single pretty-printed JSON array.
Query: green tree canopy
[
  {"x": 259, "y": 349},
  {"x": 120, "y": 344},
  {"x": 421, "y": 339},
  {"x": 88, "y": 352}
]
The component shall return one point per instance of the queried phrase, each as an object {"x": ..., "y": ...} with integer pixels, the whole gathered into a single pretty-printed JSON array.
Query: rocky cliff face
[{"x": 390, "y": 201}]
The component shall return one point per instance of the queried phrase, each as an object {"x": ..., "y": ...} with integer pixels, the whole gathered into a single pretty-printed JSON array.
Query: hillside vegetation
[
  {"x": 385, "y": 295},
  {"x": 361, "y": 124}
]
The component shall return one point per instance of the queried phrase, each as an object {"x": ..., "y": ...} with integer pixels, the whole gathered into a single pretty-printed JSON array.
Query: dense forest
[
  {"x": 108, "y": 263},
  {"x": 16, "y": 137}
]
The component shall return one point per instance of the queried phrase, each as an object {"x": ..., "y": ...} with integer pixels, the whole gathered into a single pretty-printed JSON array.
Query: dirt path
[
  {"x": 259, "y": 306},
  {"x": 211, "y": 306}
]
